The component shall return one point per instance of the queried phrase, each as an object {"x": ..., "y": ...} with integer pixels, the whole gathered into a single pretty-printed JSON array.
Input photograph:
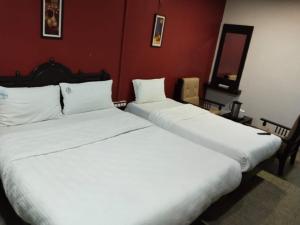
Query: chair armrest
[
  {"x": 284, "y": 140},
  {"x": 220, "y": 105},
  {"x": 265, "y": 122},
  {"x": 280, "y": 130}
]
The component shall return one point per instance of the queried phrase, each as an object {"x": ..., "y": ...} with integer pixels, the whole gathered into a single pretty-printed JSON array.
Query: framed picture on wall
[
  {"x": 52, "y": 19},
  {"x": 158, "y": 30}
]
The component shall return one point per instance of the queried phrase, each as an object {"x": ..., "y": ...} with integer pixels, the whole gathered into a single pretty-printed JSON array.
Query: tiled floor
[
  {"x": 291, "y": 174},
  {"x": 266, "y": 199}
]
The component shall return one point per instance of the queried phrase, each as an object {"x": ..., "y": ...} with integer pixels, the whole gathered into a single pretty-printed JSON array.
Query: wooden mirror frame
[{"x": 216, "y": 81}]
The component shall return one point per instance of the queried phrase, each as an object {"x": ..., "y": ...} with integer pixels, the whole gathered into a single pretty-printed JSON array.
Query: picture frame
[
  {"x": 52, "y": 19},
  {"x": 158, "y": 30}
]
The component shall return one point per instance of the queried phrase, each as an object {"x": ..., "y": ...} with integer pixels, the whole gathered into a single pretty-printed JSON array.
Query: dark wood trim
[
  {"x": 220, "y": 105},
  {"x": 290, "y": 138},
  {"x": 280, "y": 130},
  {"x": 266, "y": 121},
  {"x": 233, "y": 85},
  {"x": 246, "y": 120},
  {"x": 224, "y": 90},
  {"x": 51, "y": 73}
]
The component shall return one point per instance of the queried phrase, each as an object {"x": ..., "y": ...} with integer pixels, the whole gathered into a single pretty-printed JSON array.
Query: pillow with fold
[
  {"x": 28, "y": 105},
  {"x": 86, "y": 97},
  {"x": 150, "y": 90}
]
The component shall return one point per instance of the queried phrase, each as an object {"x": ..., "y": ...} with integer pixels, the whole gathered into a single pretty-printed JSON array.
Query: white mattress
[
  {"x": 239, "y": 142},
  {"x": 109, "y": 167}
]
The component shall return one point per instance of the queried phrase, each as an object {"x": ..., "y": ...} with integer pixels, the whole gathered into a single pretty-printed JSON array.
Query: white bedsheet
[
  {"x": 145, "y": 109},
  {"x": 109, "y": 167},
  {"x": 239, "y": 142}
]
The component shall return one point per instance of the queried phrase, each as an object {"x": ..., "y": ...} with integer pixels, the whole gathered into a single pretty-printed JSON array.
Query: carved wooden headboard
[{"x": 51, "y": 73}]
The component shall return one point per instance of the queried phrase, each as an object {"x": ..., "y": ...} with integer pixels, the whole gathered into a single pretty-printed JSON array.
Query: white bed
[
  {"x": 109, "y": 167},
  {"x": 239, "y": 142}
]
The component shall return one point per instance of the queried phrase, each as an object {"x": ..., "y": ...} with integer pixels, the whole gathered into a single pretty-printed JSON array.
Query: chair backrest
[
  {"x": 294, "y": 134},
  {"x": 293, "y": 139},
  {"x": 190, "y": 90}
]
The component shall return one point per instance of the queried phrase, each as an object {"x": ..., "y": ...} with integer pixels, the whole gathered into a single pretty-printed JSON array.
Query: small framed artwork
[
  {"x": 52, "y": 19},
  {"x": 159, "y": 24}
]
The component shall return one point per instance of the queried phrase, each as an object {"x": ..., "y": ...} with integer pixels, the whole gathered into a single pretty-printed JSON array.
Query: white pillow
[
  {"x": 152, "y": 90},
  {"x": 85, "y": 97},
  {"x": 28, "y": 105}
]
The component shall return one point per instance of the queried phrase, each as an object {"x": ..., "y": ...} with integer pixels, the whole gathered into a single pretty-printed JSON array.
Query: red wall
[
  {"x": 91, "y": 42},
  {"x": 189, "y": 40},
  {"x": 93, "y": 39}
]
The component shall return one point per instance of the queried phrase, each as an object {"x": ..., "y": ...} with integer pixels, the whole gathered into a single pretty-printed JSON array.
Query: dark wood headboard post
[
  {"x": 18, "y": 74},
  {"x": 51, "y": 60}
]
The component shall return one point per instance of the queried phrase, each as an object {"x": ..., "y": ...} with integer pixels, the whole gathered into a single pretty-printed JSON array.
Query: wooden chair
[
  {"x": 187, "y": 91},
  {"x": 290, "y": 142}
]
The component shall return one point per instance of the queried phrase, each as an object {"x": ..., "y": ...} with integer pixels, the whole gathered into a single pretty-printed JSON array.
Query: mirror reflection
[{"x": 231, "y": 57}]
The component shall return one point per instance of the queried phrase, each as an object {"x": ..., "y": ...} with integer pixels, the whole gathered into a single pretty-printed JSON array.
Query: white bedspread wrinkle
[
  {"x": 235, "y": 140},
  {"x": 167, "y": 117},
  {"x": 109, "y": 167},
  {"x": 30, "y": 141}
]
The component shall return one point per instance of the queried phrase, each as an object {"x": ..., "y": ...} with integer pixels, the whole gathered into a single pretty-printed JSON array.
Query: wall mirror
[{"x": 231, "y": 57}]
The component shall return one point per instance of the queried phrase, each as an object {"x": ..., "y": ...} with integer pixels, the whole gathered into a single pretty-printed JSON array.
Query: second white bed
[{"x": 239, "y": 142}]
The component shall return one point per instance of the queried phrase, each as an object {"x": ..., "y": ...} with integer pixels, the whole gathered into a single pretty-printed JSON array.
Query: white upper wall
[{"x": 271, "y": 79}]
